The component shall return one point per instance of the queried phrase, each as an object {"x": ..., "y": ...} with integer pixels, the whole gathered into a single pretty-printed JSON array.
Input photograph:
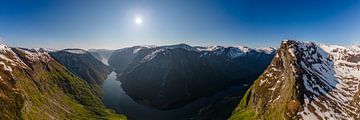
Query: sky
[{"x": 110, "y": 24}]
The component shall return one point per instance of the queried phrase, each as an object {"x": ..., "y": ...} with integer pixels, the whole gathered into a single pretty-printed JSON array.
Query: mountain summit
[{"x": 308, "y": 81}]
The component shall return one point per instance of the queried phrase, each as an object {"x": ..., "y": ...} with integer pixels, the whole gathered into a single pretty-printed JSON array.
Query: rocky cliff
[{"x": 307, "y": 81}]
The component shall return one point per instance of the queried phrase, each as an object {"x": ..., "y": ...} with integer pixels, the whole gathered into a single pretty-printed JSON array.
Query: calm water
[{"x": 116, "y": 99}]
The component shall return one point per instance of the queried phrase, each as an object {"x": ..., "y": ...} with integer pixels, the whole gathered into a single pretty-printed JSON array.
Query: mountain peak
[
  {"x": 306, "y": 81},
  {"x": 35, "y": 55}
]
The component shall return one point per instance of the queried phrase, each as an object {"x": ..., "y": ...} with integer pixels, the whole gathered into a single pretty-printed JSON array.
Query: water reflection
[{"x": 116, "y": 99}]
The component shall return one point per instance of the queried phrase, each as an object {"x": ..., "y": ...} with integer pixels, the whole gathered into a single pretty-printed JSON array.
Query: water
[{"x": 115, "y": 98}]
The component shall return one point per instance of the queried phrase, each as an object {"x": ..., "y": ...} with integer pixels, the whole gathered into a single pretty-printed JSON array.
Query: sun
[{"x": 138, "y": 20}]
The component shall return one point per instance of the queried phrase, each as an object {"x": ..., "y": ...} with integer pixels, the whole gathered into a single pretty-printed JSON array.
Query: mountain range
[
  {"x": 36, "y": 86},
  {"x": 168, "y": 77},
  {"x": 299, "y": 80}
]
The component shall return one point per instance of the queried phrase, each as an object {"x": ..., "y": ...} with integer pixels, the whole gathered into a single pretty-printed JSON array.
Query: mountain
[
  {"x": 307, "y": 81},
  {"x": 83, "y": 64},
  {"x": 168, "y": 77},
  {"x": 120, "y": 59},
  {"x": 102, "y": 55},
  {"x": 35, "y": 86}
]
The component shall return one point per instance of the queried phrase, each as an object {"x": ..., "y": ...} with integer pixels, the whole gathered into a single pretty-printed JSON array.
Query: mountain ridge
[
  {"x": 305, "y": 81},
  {"x": 83, "y": 64},
  {"x": 35, "y": 86},
  {"x": 180, "y": 73}
]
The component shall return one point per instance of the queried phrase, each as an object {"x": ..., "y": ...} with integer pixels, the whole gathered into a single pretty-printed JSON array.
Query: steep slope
[
  {"x": 102, "y": 55},
  {"x": 306, "y": 81},
  {"x": 168, "y": 77},
  {"x": 84, "y": 65},
  {"x": 34, "y": 86},
  {"x": 120, "y": 59}
]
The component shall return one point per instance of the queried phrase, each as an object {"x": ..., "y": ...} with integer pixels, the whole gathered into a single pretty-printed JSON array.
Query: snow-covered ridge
[
  {"x": 36, "y": 55},
  {"x": 152, "y": 55},
  {"x": 229, "y": 51},
  {"x": 331, "y": 77},
  {"x": 138, "y": 48},
  {"x": 5, "y": 61},
  {"x": 7, "y": 55},
  {"x": 267, "y": 50},
  {"x": 234, "y": 52},
  {"x": 198, "y": 48},
  {"x": 9, "y": 59},
  {"x": 326, "y": 80}
]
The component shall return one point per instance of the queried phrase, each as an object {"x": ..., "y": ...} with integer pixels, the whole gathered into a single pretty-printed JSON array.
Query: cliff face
[
  {"x": 84, "y": 65},
  {"x": 168, "y": 77},
  {"x": 35, "y": 86},
  {"x": 305, "y": 81}
]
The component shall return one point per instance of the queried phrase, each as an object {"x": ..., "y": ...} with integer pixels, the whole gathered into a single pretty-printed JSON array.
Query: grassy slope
[
  {"x": 257, "y": 102},
  {"x": 49, "y": 91}
]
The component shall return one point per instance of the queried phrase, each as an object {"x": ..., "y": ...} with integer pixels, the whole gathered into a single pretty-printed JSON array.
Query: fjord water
[{"x": 115, "y": 98}]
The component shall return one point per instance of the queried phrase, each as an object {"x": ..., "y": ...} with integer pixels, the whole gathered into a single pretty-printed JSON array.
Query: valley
[
  {"x": 169, "y": 77},
  {"x": 115, "y": 98},
  {"x": 35, "y": 86},
  {"x": 179, "y": 59},
  {"x": 299, "y": 80}
]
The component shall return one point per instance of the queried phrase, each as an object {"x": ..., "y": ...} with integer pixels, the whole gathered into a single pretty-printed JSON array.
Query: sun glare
[{"x": 138, "y": 20}]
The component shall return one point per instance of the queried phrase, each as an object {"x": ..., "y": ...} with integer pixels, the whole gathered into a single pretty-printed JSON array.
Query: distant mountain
[
  {"x": 307, "y": 81},
  {"x": 35, "y": 86},
  {"x": 122, "y": 58},
  {"x": 83, "y": 64},
  {"x": 102, "y": 55},
  {"x": 168, "y": 77}
]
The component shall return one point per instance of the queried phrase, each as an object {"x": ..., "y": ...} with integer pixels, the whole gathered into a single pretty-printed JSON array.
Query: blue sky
[{"x": 110, "y": 23}]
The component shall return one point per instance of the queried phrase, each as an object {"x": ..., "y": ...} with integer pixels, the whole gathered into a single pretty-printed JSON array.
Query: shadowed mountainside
[{"x": 169, "y": 77}]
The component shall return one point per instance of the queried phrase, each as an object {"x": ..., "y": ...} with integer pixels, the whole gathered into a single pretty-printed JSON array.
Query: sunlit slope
[
  {"x": 306, "y": 81},
  {"x": 34, "y": 86}
]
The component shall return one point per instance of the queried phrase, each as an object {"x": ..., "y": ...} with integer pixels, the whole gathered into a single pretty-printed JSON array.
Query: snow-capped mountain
[
  {"x": 167, "y": 77},
  {"x": 229, "y": 51},
  {"x": 306, "y": 81}
]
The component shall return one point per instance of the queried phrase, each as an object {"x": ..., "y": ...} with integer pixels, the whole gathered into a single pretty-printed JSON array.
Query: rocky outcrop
[{"x": 305, "y": 81}]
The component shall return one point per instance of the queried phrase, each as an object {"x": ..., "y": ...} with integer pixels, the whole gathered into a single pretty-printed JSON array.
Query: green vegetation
[
  {"x": 276, "y": 98},
  {"x": 44, "y": 91},
  {"x": 240, "y": 112}
]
